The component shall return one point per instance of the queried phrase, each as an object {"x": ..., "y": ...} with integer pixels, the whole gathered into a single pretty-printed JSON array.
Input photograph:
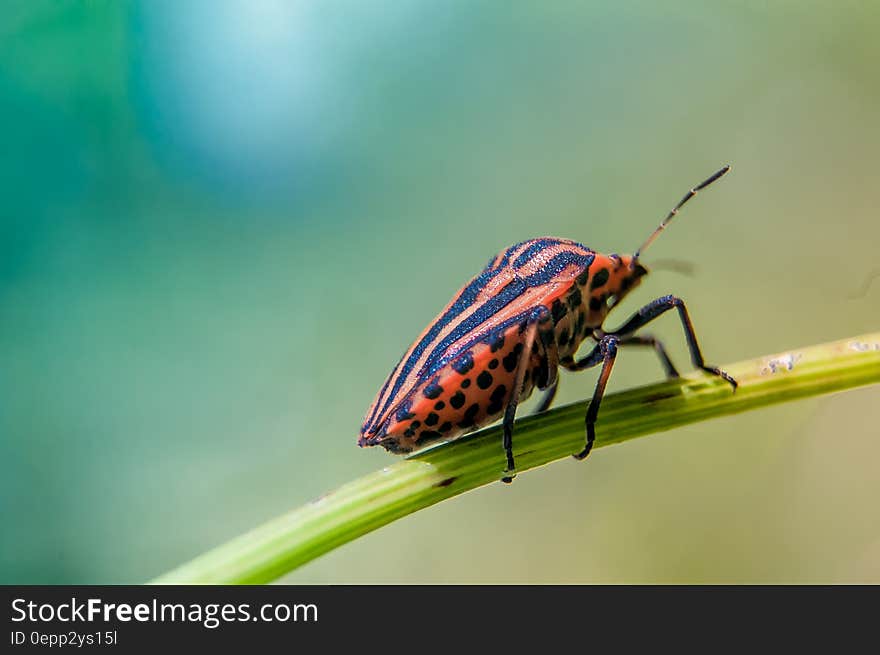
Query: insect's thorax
[{"x": 589, "y": 299}]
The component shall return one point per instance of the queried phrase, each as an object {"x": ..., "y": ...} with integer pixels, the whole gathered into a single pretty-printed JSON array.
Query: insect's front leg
[
  {"x": 657, "y": 345},
  {"x": 605, "y": 352},
  {"x": 539, "y": 327},
  {"x": 656, "y": 309}
]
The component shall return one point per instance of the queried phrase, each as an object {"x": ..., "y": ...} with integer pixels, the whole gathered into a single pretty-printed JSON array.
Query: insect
[{"x": 507, "y": 332}]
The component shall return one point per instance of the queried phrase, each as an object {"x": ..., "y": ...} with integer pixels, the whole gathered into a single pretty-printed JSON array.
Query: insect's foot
[
  {"x": 583, "y": 454},
  {"x": 509, "y": 475},
  {"x": 722, "y": 374}
]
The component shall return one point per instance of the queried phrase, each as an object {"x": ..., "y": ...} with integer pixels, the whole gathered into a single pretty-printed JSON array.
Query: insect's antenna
[{"x": 681, "y": 203}]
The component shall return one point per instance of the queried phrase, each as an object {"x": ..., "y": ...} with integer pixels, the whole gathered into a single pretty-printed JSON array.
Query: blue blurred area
[{"x": 224, "y": 221}]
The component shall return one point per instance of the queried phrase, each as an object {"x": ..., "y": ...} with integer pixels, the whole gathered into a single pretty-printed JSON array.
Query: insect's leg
[
  {"x": 658, "y": 307},
  {"x": 657, "y": 345},
  {"x": 550, "y": 371},
  {"x": 590, "y": 360},
  {"x": 547, "y": 398},
  {"x": 539, "y": 325},
  {"x": 605, "y": 352}
]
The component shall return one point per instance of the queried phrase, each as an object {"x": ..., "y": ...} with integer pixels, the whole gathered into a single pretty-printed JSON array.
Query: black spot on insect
[
  {"x": 446, "y": 482},
  {"x": 534, "y": 346},
  {"x": 432, "y": 419},
  {"x": 403, "y": 414},
  {"x": 446, "y": 427},
  {"x": 433, "y": 390},
  {"x": 596, "y": 303},
  {"x": 463, "y": 364},
  {"x": 523, "y": 326},
  {"x": 497, "y": 399},
  {"x": 578, "y": 326},
  {"x": 599, "y": 279},
  {"x": 469, "y": 415},
  {"x": 457, "y": 400},
  {"x": 557, "y": 310},
  {"x": 465, "y": 383},
  {"x": 626, "y": 283},
  {"x": 497, "y": 343},
  {"x": 511, "y": 359},
  {"x": 563, "y": 336},
  {"x": 493, "y": 364},
  {"x": 409, "y": 432},
  {"x": 583, "y": 277},
  {"x": 575, "y": 298},
  {"x": 484, "y": 380},
  {"x": 428, "y": 435},
  {"x": 416, "y": 424},
  {"x": 439, "y": 405}
]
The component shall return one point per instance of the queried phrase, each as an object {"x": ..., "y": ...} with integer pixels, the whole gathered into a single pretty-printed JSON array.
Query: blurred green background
[{"x": 222, "y": 223}]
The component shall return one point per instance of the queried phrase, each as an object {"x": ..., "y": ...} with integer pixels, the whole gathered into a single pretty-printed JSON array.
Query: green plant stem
[{"x": 450, "y": 469}]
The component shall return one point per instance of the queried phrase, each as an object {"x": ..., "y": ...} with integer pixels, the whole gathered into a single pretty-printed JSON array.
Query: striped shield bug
[{"x": 508, "y": 330}]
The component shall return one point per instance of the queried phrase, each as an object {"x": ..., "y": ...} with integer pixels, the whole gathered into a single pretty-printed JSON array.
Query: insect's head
[
  {"x": 638, "y": 270},
  {"x": 634, "y": 260},
  {"x": 625, "y": 274}
]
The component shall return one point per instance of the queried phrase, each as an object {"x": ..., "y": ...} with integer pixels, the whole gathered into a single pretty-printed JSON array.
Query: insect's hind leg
[
  {"x": 656, "y": 309},
  {"x": 550, "y": 372},
  {"x": 657, "y": 345},
  {"x": 539, "y": 326}
]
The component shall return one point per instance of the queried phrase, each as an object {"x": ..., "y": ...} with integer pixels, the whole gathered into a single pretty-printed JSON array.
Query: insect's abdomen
[{"x": 463, "y": 396}]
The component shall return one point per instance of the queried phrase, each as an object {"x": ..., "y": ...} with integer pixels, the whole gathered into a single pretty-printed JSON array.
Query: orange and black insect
[{"x": 507, "y": 332}]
